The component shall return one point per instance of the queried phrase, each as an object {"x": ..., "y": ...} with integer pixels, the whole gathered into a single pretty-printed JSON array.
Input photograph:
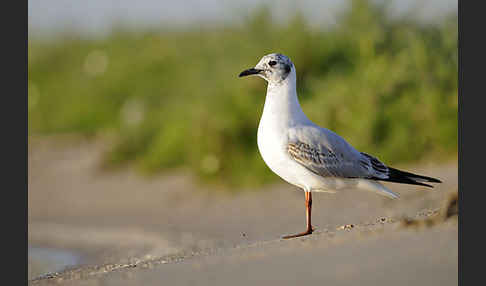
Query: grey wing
[{"x": 327, "y": 154}]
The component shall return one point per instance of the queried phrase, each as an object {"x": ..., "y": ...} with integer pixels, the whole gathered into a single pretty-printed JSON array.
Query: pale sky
[{"x": 98, "y": 16}]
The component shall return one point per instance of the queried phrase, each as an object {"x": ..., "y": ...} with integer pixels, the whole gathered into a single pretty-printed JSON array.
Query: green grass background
[{"x": 172, "y": 98}]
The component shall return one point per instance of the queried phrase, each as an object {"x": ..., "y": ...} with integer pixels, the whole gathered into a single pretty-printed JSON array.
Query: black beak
[{"x": 250, "y": 72}]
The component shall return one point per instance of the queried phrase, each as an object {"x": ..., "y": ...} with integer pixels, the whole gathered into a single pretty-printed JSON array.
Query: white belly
[
  {"x": 272, "y": 144},
  {"x": 281, "y": 113}
]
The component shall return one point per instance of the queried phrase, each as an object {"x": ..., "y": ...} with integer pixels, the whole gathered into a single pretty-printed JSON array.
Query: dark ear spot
[{"x": 287, "y": 68}]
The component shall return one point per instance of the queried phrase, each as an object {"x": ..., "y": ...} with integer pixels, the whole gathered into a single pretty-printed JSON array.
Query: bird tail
[
  {"x": 376, "y": 187},
  {"x": 398, "y": 176}
]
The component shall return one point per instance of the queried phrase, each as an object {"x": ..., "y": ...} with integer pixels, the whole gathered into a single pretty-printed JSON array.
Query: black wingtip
[
  {"x": 426, "y": 185},
  {"x": 433, "y": 180},
  {"x": 415, "y": 177},
  {"x": 398, "y": 176}
]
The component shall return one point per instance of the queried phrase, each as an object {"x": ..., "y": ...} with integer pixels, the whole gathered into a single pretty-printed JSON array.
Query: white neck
[{"x": 282, "y": 107}]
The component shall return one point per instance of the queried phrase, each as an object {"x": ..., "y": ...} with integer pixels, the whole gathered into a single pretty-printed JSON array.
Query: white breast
[
  {"x": 272, "y": 144},
  {"x": 281, "y": 113},
  {"x": 272, "y": 139}
]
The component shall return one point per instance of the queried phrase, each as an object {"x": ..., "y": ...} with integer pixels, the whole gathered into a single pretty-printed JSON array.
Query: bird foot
[{"x": 307, "y": 232}]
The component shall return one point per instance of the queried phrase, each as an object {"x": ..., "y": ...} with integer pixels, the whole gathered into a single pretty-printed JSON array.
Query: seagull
[{"x": 313, "y": 158}]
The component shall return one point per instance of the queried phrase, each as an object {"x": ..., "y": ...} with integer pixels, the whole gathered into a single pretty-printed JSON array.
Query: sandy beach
[{"x": 119, "y": 228}]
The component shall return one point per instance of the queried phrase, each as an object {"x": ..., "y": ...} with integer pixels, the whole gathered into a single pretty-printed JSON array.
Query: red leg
[{"x": 308, "y": 206}]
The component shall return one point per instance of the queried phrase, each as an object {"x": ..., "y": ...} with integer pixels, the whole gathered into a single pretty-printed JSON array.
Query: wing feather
[{"x": 327, "y": 154}]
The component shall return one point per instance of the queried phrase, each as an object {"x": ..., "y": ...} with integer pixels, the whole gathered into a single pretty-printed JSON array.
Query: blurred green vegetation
[{"x": 173, "y": 99}]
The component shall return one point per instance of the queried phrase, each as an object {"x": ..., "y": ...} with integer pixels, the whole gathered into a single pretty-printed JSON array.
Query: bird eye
[{"x": 272, "y": 63}]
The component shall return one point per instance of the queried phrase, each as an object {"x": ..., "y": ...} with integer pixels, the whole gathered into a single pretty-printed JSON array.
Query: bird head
[{"x": 274, "y": 68}]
